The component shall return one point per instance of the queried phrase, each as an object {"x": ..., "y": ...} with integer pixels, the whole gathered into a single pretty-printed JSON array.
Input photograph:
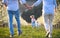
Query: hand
[
  {"x": 55, "y": 9},
  {"x": 29, "y": 7},
  {"x": 32, "y": 6},
  {"x": 5, "y": 5}
]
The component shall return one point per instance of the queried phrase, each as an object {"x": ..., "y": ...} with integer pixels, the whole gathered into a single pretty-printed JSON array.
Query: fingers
[
  {"x": 28, "y": 7},
  {"x": 31, "y": 7}
]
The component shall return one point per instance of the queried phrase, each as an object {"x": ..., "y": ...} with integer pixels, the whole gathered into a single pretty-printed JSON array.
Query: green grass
[{"x": 28, "y": 32}]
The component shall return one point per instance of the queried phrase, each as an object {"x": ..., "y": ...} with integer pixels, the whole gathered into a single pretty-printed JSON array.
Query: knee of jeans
[{"x": 17, "y": 19}]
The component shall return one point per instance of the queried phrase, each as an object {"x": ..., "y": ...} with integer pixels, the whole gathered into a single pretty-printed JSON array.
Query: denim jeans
[
  {"x": 33, "y": 24},
  {"x": 16, "y": 13}
]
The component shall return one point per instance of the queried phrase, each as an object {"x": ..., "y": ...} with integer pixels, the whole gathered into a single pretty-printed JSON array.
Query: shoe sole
[{"x": 47, "y": 34}]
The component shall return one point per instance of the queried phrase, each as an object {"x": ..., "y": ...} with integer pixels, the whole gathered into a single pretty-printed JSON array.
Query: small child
[{"x": 34, "y": 23}]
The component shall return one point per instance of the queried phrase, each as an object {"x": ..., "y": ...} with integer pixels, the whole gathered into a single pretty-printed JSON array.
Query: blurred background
[
  {"x": 25, "y": 15},
  {"x": 27, "y": 30}
]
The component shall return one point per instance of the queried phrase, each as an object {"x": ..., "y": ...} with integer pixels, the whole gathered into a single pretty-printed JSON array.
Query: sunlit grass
[{"x": 28, "y": 32}]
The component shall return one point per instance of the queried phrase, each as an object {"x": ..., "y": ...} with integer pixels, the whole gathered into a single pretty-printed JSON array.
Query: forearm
[
  {"x": 5, "y": 5},
  {"x": 26, "y": 5},
  {"x": 55, "y": 4},
  {"x": 4, "y": 2},
  {"x": 23, "y": 1},
  {"x": 37, "y": 3}
]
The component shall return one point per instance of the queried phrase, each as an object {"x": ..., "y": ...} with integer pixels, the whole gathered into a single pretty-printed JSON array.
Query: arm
[
  {"x": 55, "y": 5},
  {"x": 24, "y": 3},
  {"x": 4, "y": 2},
  {"x": 37, "y": 3}
]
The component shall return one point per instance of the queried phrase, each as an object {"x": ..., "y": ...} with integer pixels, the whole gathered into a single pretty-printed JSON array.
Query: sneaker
[
  {"x": 50, "y": 36},
  {"x": 11, "y": 36},
  {"x": 19, "y": 33},
  {"x": 47, "y": 34}
]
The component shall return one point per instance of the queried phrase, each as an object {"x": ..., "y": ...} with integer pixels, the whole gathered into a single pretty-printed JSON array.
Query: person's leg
[
  {"x": 46, "y": 24},
  {"x": 33, "y": 25},
  {"x": 36, "y": 23},
  {"x": 51, "y": 16},
  {"x": 17, "y": 14},
  {"x": 10, "y": 13}
]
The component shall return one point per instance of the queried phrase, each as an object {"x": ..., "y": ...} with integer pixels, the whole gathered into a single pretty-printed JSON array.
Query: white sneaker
[
  {"x": 47, "y": 34},
  {"x": 11, "y": 36},
  {"x": 50, "y": 36}
]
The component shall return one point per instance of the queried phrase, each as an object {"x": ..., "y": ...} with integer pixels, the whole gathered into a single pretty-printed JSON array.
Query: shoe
[
  {"x": 47, "y": 34},
  {"x": 19, "y": 33},
  {"x": 11, "y": 36},
  {"x": 50, "y": 36}
]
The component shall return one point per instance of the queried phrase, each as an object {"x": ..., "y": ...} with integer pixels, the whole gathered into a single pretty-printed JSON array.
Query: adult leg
[
  {"x": 10, "y": 13},
  {"x": 51, "y": 16},
  {"x": 46, "y": 24},
  {"x": 17, "y": 13}
]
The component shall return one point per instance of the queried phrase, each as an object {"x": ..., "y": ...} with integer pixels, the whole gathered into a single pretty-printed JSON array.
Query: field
[{"x": 28, "y": 32}]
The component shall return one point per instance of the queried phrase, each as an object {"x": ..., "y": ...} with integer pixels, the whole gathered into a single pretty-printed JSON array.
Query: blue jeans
[
  {"x": 11, "y": 13},
  {"x": 33, "y": 24}
]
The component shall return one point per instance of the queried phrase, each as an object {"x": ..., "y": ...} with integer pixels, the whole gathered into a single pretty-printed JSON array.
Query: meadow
[{"x": 29, "y": 32}]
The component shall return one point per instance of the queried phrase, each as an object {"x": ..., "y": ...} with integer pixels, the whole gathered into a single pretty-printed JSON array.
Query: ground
[{"x": 28, "y": 32}]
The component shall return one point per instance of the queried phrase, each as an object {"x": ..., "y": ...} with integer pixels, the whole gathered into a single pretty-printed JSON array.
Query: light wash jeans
[
  {"x": 33, "y": 24},
  {"x": 48, "y": 19},
  {"x": 16, "y": 13}
]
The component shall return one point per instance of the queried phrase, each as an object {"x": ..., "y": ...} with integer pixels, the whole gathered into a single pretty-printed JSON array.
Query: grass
[{"x": 28, "y": 32}]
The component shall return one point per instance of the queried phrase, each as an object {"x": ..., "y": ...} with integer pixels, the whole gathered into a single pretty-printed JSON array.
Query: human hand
[
  {"x": 55, "y": 9},
  {"x": 30, "y": 7},
  {"x": 5, "y": 5}
]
